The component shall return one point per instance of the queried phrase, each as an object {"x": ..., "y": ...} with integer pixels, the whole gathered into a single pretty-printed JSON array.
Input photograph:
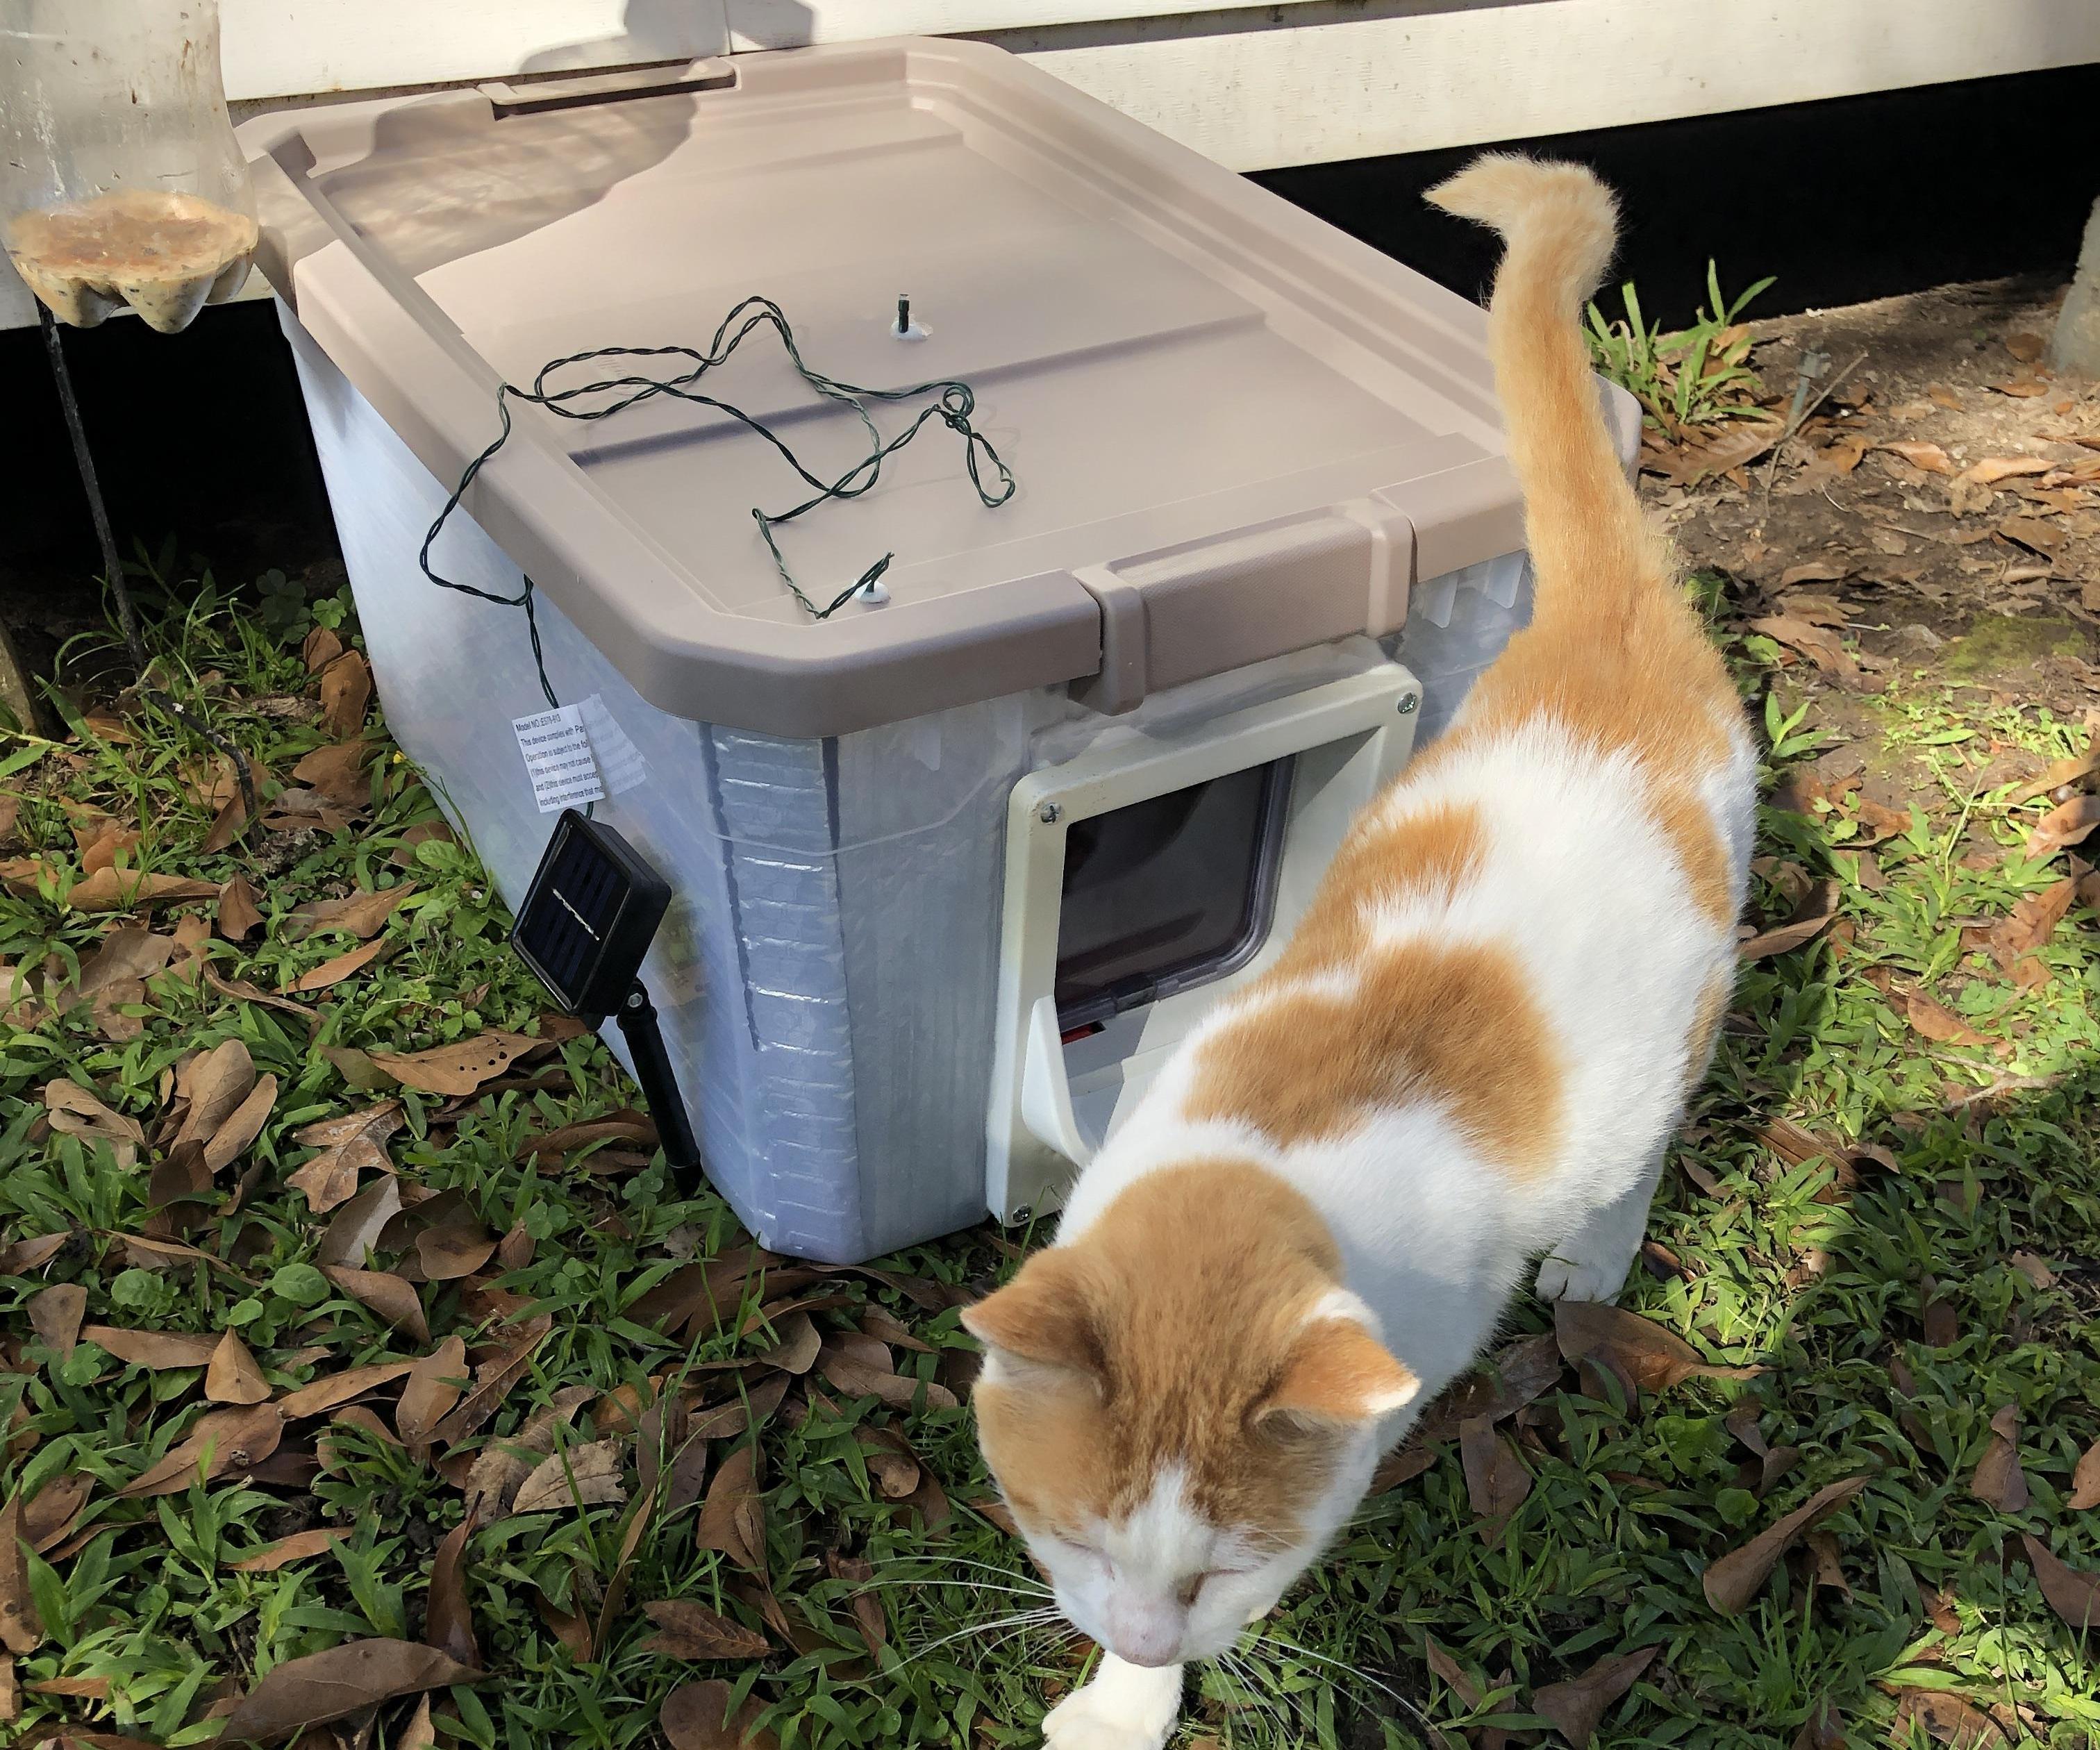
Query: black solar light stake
[{"x": 588, "y": 918}]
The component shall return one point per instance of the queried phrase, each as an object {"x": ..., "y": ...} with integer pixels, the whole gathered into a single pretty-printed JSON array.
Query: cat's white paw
[
  {"x": 1125, "y": 1707},
  {"x": 1575, "y": 1279},
  {"x": 1079, "y": 1723}
]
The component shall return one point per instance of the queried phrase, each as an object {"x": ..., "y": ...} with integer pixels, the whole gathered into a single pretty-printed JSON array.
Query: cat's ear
[
  {"x": 1339, "y": 1377},
  {"x": 1045, "y": 1316}
]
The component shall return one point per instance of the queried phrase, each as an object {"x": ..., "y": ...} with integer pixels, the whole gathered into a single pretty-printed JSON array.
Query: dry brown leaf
[
  {"x": 154, "y": 1351},
  {"x": 880, "y": 1322},
  {"x": 457, "y": 1070},
  {"x": 581, "y": 1476},
  {"x": 1940, "y": 1024},
  {"x": 857, "y": 1379},
  {"x": 733, "y": 1517},
  {"x": 393, "y": 1298},
  {"x": 1577, "y": 1708},
  {"x": 1686, "y": 464},
  {"x": 77, "y": 1111},
  {"x": 299, "y": 1547},
  {"x": 1928, "y": 456},
  {"x": 58, "y": 1505},
  {"x": 21, "y": 1629},
  {"x": 242, "y": 991},
  {"x": 101, "y": 848},
  {"x": 243, "y": 1124},
  {"x": 127, "y": 957},
  {"x": 231, "y": 1376},
  {"x": 215, "y": 1084},
  {"x": 1497, "y": 1481},
  {"x": 1993, "y": 468},
  {"x": 795, "y": 1352},
  {"x": 1827, "y": 1572},
  {"x": 492, "y": 1382},
  {"x": 337, "y": 773},
  {"x": 2073, "y": 1594},
  {"x": 332, "y": 972},
  {"x": 20, "y": 1257},
  {"x": 343, "y": 1680},
  {"x": 345, "y": 693},
  {"x": 355, "y": 1228},
  {"x": 866, "y": 1603},
  {"x": 1946, "y": 1718},
  {"x": 239, "y": 915},
  {"x": 2085, "y": 1481},
  {"x": 514, "y": 1251},
  {"x": 506, "y": 1461},
  {"x": 447, "y": 1619},
  {"x": 54, "y": 1316},
  {"x": 434, "y": 1386},
  {"x": 634, "y": 1127},
  {"x": 1999, "y": 1482},
  {"x": 891, "y": 1462},
  {"x": 362, "y": 914},
  {"x": 1810, "y": 919},
  {"x": 1878, "y": 824},
  {"x": 1733, "y": 1580},
  {"x": 457, "y": 1249},
  {"x": 2035, "y": 535},
  {"x": 1818, "y": 644},
  {"x": 2068, "y": 823},
  {"x": 2033, "y": 922},
  {"x": 321, "y": 648},
  {"x": 1938, "y": 1316},
  {"x": 1823, "y": 1730},
  {"x": 218, "y": 1442},
  {"x": 686, "y": 1630},
  {"x": 2074, "y": 770},
  {"x": 349, "y": 1145},
  {"x": 1814, "y": 571},
  {"x": 331, "y": 1390},
  {"x": 1638, "y": 1349},
  {"x": 1454, "y": 1675},
  {"x": 132, "y": 889},
  {"x": 423, "y": 832},
  {"x": 696, "y": 1717}
]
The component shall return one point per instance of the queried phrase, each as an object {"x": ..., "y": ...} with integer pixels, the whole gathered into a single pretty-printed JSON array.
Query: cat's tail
[{"x": 1591, "y": 551}]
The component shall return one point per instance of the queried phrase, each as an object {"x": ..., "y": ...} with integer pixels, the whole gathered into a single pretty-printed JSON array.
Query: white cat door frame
[{"x": 1051, "y": 1103}]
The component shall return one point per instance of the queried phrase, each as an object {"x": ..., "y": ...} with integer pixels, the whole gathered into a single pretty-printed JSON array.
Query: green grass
[
  {"x": 1822, "y": 1284},
  {"x": 1686, "y": 378}
]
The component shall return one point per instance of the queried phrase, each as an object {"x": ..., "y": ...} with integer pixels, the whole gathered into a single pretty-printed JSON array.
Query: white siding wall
[{"x": 1254, "y": 86}]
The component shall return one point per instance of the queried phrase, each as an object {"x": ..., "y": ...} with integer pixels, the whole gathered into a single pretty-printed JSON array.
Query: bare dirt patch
[{"x": 1938, "y": 508}]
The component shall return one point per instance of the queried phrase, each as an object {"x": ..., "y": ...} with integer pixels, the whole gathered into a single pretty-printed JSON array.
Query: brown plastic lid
[{"x": 1237, "y": 432}]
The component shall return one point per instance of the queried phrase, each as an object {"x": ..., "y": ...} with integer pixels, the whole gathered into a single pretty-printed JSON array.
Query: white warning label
[{"x": 557, "y": 758}]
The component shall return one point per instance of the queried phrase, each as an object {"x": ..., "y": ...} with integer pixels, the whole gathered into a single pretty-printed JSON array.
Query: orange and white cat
[{"x": 1471, "y": 1054}]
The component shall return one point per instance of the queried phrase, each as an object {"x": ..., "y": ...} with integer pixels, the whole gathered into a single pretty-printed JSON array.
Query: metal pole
[{"x": 127, "y": 615}]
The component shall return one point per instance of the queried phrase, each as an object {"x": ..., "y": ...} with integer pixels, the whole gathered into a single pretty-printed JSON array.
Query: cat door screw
[
  {"x": 1050, "y": 813},
  {"x": 1407, "y": 704}
]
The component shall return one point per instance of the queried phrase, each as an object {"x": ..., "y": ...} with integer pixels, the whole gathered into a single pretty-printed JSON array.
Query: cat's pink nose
[{"x": 1144, "y": 1634}]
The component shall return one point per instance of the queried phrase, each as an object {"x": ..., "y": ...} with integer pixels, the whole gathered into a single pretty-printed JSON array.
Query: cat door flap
[{"x": 1057, "y": 1088}]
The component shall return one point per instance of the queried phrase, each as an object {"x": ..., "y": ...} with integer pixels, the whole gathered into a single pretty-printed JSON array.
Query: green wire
[{"x": 954, "y": 404}]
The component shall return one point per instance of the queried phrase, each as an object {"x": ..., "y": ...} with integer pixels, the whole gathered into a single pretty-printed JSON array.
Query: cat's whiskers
[
  {"x": 1018, "y": 1575},
  {"x": 1259, "y": 1640},
  {"x": 1023, "y": 1620},
  {"x": 1265, "y": 1704}
]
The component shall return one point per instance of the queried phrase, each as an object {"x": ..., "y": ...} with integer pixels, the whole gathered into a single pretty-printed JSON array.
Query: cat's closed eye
[{"x": 1191, "y": 1588}]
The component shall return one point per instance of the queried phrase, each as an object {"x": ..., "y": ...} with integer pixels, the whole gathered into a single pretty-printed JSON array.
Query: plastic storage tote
[{"x": 954, "y": 868}]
